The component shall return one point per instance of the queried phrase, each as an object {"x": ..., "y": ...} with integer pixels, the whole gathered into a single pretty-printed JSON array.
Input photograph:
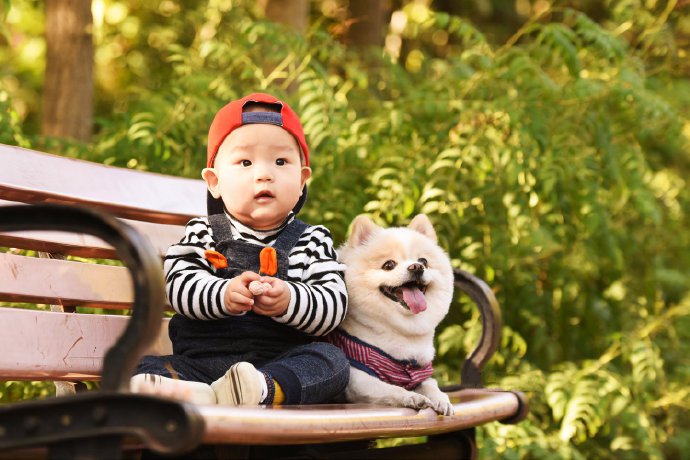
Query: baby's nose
[{"x": 263, "y": 173}]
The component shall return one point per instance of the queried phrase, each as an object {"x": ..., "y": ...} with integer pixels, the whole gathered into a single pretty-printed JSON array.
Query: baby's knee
[{"x": 335, "y": 357}]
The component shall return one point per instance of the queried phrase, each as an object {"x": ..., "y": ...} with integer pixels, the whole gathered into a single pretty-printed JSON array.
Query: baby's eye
[
  {"x": 246, "y": 163},
  {"x": 281, "y": 162}
]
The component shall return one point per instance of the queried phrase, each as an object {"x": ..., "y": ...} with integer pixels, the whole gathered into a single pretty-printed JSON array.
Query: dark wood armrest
[{"x": 492, "y": 324}]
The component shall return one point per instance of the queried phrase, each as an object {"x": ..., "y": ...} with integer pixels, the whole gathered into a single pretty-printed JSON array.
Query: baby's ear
[
  {"x": 422, "y": 224},
  {"x": 211, "y": 178},
  {"x": 305, "y": 175},
  {"x": 362, "y": 229}
]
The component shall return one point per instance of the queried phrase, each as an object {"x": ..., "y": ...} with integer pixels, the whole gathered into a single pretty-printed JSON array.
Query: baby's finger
[
  {"x": 241, "y": 299},
  {"x": 243, "y": 289},
  {"x": 247, "y": 277},
  {"x": 267, "y": 309},
  {"x": 264, "y": 302},
  {"x": 274, "y": 289}
]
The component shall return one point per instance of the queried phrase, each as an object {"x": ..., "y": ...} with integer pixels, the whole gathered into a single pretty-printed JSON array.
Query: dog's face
[{"x": 398, "y": 277}]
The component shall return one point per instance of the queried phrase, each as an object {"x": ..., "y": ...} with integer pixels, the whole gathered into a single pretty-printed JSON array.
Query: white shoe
[
  {"x": 240, "y": 386},
  {"x": 182, "y": 390}
]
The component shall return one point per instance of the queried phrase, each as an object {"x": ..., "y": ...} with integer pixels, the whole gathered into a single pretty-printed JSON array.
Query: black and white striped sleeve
[
  {"x": 192, "y": 286},
  {"x": 318, "y": 299}
]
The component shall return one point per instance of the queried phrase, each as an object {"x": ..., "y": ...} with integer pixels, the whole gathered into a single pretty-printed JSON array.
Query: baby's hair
[{"x": 252, "y": 106}]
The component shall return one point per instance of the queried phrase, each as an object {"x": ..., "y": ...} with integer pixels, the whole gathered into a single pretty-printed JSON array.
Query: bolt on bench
[{"x": 72, "y": 214}]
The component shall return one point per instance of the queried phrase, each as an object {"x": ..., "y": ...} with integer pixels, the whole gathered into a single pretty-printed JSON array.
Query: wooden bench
[{"x": 81, "y": 344}]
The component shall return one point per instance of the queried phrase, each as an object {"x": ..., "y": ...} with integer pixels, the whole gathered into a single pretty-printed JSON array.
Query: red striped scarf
[{"x": 377, "y": 363}]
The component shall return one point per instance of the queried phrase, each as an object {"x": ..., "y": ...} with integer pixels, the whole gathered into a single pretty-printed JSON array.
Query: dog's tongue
[{"x": 414, "y": 299}]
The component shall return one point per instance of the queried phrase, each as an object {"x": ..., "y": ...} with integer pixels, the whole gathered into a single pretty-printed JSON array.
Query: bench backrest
[{"x": 62, "y": 344}]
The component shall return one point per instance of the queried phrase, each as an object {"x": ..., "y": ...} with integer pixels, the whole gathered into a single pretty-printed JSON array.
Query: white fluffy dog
[{"x": 400, "y": 286}]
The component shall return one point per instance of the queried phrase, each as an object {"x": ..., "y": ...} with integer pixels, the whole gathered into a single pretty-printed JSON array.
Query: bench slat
[
  {"x": 308, "y": 424},
  {"x": 44, "y": 345},
  {"x": 28, "y": 176},
  {"x": 62, "y": 282},
  {"x": 161, "y": 236}
]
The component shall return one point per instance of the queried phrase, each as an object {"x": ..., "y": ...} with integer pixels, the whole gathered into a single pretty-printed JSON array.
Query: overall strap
[
  {"x": 221, "y": 227},
  {"x": 290, "y": 235}
]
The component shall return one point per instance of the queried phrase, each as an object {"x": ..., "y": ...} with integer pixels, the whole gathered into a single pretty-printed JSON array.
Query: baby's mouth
[{"x": 263, "y": 195}]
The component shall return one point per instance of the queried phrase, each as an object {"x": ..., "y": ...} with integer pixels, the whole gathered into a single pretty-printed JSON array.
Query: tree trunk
[
  {"x": 68, "y": 91},
  {"x": 294, "y": 13},
  {"x": 370, "y": 20}
]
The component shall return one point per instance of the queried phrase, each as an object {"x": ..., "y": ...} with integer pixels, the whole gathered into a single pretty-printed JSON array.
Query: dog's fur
[{"x": 403, "y": 328}]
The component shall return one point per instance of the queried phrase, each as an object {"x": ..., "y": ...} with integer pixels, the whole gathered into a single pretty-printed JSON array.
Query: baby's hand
[
  {"x": 257, "y": 287},
  {"x": 273, "y": 301},
  {"x": 238, "y": 297}
]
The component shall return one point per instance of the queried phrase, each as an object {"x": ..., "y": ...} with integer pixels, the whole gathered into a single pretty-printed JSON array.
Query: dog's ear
[
  {"x": 362, "y": 229},
  {"x": 422, "y": 224}
]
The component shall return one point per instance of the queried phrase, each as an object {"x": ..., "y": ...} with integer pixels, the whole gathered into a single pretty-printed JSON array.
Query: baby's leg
[
  {"x": 182, "y": 390},
  {"x": 314, "y": 373},
  {"x": 172, "y": 376}
]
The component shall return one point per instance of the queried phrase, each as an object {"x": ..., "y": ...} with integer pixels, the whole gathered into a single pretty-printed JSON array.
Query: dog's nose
[{"x": 416, "y": 269}]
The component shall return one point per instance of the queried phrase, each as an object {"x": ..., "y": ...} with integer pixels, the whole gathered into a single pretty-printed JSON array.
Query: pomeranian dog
[{"x": 400, "y": 286}]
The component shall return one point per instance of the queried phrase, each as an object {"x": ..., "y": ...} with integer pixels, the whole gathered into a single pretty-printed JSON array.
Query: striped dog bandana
[{"x": 377, "y": 363}]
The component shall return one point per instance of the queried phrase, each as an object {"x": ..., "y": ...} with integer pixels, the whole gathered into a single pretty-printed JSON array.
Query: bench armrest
[{"x": 492, "y": 324}]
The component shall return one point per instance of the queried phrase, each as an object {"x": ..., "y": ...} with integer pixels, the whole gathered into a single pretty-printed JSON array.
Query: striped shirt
[{"x": 318, "y": 299}]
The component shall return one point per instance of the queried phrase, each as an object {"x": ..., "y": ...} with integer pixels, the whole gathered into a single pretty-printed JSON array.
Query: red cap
[{"x": 230, "y": 117}]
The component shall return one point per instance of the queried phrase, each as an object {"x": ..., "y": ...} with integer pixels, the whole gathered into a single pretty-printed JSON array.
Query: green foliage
[
  {"x": 10, "y": 123},
  {"x": 554, "y": 166},
  {"x": 16, "y": 391}
]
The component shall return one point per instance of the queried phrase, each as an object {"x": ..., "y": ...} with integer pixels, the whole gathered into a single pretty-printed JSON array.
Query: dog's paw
[
  {"x": 440, "y": 400},
  {"x": 416, "y": 401},
  {"x": 443, "y": 406}
]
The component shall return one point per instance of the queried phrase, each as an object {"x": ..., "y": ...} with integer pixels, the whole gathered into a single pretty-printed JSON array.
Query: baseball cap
[{"x": 232, "y": 116}]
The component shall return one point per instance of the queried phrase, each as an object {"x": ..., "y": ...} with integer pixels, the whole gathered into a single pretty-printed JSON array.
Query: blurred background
[{"x": 548, "y": 141}]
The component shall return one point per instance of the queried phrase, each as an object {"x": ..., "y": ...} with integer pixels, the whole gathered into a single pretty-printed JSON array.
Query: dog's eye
[
  {"x": 424, "y": 262},
  {"x": 389, "y": 265}
]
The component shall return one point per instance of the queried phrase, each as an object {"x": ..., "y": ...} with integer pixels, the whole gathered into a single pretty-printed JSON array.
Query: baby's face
[{"x": 258, "y": 174}]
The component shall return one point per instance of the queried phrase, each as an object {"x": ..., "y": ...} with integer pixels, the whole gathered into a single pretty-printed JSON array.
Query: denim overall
[{"x": 203, "y": 350}]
